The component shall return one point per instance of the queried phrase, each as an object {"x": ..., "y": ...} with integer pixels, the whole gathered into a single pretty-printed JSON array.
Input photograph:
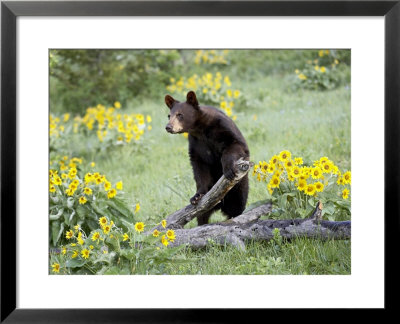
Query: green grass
[{"x": 158, "y": 175}]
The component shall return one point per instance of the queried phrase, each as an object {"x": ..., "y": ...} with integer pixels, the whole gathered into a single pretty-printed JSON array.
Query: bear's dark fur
[{"x": 215, "y": 144}]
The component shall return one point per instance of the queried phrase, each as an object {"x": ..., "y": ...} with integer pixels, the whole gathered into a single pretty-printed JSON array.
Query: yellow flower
[
  {"x": 117, "y": 104},
  {"x": 69, "y": 234},
  {"x": 92, "y": 164},
  {"x": 296, "y": 172},
  {"x": 340, "y": 181},
  {"x": 125, "y": 237},
  {"x": 56, "y": 267},
  {"x": 57, "y": 180},
  {"x": 74, "y": 255},
  {"x": 64, "y": 251},
  {"x": 85, "y": 253},
  {"x": 82, "y": 200},
  {"x": 88, "y": 177},
  {"x": 164, "y": 223},
  {"x": 310, "y": 190},
  {"x": 298, "y": 161},
  {"x": 347, "y": 177},
  {"x": 271, "y": 168},
  {"x": 319, "y": 186},
  {"x": 80, "y": 240},
  {"x": 316, "y": 173},
  {"x": 301, "y": 76},
  {"x": 156, "y": 233},
  {"x": 264, "y": 167},
  {"x": 87, "y": 191},
  {"x": 327, "y": 167},
  {"x": 236, "y": 93},
  {"x": 95, "y": 236},
  {"x": 106, "y": 229},
  {"x": 118, "y": 185},
  {"x": 91, "y": 247},
  {"x": 227, "y": 81},
  {"x": 111, "y": 193},
  {"x": 107, "y": 185},
  {"x": 275, "y": 181},
  {"x": 171, "y": 235},
  {"x": 284, "y": 156},
  {"x": 103, "y": 221},
  {"x": 289, "y": 164},
  {"x": 345, "y": 193},
  {"x": 164, "y": 240},
  {"x": 322, "y": 69},
  {"x": 139, "y": 227},
  {"x": 321, "y": 53},
  {"x": 137, "y": 208},
  {"x": 52, "y": 188},
  {"x": 302, "y": 185}
]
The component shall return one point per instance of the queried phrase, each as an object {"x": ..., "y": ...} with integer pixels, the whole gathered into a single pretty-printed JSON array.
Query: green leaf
[
  {"x": 121, "y": 206},
  {"x": 328, "y": 209},
  {"x": 108, "y": 258},
  {"x": 55, "y": 229},
  {"x": 70, "y": 202},
  {"x": 75, "y": 263},
  {"x": 82, "y": 211},
  {"x": 129, "y": 254}
]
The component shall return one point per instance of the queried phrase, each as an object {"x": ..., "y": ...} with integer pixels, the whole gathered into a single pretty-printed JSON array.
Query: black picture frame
[{"x": 10, "y": 10}]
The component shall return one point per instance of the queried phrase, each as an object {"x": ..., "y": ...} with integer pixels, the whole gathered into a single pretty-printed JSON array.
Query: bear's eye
[
  {"x": 169, "y": 116},
  {"x": 180, "y": 116}
]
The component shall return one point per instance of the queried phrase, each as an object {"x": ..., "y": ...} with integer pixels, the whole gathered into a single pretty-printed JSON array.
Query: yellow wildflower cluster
[
  {"x": 308, "y": 179},
  {"x": 166, "y": 237},
  {"x": 211, "y": 57},
  {"x": 216, "y": 89},
  {"x": 109, "y": 123},
  {"x": 70, "y": 183},
  {"x": 77, "y": 247},
  {"x": 105, "y": 225},
  {"x": 57, "y": 126},
  {"x": 318, "y": 73}
]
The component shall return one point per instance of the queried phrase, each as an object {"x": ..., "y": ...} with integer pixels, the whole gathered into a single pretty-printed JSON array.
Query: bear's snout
[{"x": 168, "y": 128}]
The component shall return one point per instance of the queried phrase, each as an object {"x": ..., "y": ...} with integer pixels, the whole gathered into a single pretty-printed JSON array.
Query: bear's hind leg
[
  {"x": 203, "y": 219},
  {"x": 234, "y": 203}
]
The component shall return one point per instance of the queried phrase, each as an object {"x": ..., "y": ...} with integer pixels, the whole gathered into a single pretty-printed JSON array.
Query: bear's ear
[
  {"x": 169, "y": 101},
  {"x": 191, "y": 99}
]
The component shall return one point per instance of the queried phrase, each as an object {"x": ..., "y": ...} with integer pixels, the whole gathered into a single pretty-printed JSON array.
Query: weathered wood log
[
  {"x": 183, "y": 216},
  {"x": 245, "y": 227},
  {"x": 236, "y": 232}
]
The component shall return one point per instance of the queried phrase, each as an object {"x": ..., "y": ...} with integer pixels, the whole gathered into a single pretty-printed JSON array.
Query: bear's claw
[
  {"x": 195, "y": 199},
  {"x": 229, "y": 174}
]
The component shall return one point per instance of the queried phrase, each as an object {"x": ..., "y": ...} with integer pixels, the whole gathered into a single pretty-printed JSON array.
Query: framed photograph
[{"x": 199, "y": 152}]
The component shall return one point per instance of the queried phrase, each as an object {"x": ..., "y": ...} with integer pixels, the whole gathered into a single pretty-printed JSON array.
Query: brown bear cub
[{"x": 215, "y": 144}]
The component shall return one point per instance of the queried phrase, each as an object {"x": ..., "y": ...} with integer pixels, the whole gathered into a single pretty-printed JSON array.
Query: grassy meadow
[{"x": 277, "y": 113}]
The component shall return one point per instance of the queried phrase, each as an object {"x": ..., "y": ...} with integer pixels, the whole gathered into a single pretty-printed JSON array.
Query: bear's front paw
[
  {"x": 195, "y": 199},
  {"x": 229, "y": 173}
]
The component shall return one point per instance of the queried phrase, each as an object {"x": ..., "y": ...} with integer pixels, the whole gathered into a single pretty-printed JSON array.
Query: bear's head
[{"x": 183, "y": 115}]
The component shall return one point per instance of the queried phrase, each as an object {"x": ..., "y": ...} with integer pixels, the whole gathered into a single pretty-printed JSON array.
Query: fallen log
[
  {"x": 247, "y": 226},
  {"x": 236, "y": 233}
]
